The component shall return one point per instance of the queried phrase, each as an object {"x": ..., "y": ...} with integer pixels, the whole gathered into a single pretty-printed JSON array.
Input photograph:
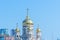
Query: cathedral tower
[
  {"x": 27, "y": 28},
  {"x": 17, "y": 33},
  {"x": 38, "y": 34}
]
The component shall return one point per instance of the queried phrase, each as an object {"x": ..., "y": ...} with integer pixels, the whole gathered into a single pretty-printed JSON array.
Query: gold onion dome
[
  {"x": 17, "y": 30},
  {"x": 38, "y": 30},
  {"x": 27, "y": 20}
]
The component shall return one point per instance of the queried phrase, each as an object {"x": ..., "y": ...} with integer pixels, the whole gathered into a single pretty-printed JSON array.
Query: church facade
[{"x": 27, "y": 32}]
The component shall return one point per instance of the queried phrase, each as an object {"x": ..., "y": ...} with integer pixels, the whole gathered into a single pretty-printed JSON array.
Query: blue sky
[{"x": 46, "y": 13}]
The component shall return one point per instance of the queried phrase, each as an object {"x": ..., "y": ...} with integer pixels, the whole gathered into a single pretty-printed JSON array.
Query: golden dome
[
  {"x": 28, "y": 21},
  {"x": 38, "y": 30},
  {"x": 17, "y": 30}
]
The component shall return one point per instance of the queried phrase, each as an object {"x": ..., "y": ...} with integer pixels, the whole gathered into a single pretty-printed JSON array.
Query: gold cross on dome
[{"x": 27, "y": 11}]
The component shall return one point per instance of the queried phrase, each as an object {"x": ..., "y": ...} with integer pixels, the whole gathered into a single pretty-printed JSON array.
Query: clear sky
[{"x": 46, "y": 13}]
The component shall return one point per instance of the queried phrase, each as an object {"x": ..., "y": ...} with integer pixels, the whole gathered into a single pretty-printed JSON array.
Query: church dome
[
  {"x": 27, "y": 21},
  {"x": 17, "y": 30},
  {"x": 38, "y": 30}
]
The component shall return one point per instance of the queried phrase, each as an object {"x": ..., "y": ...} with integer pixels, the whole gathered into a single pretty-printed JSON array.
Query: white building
[{"x": 27, "y": 31}]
